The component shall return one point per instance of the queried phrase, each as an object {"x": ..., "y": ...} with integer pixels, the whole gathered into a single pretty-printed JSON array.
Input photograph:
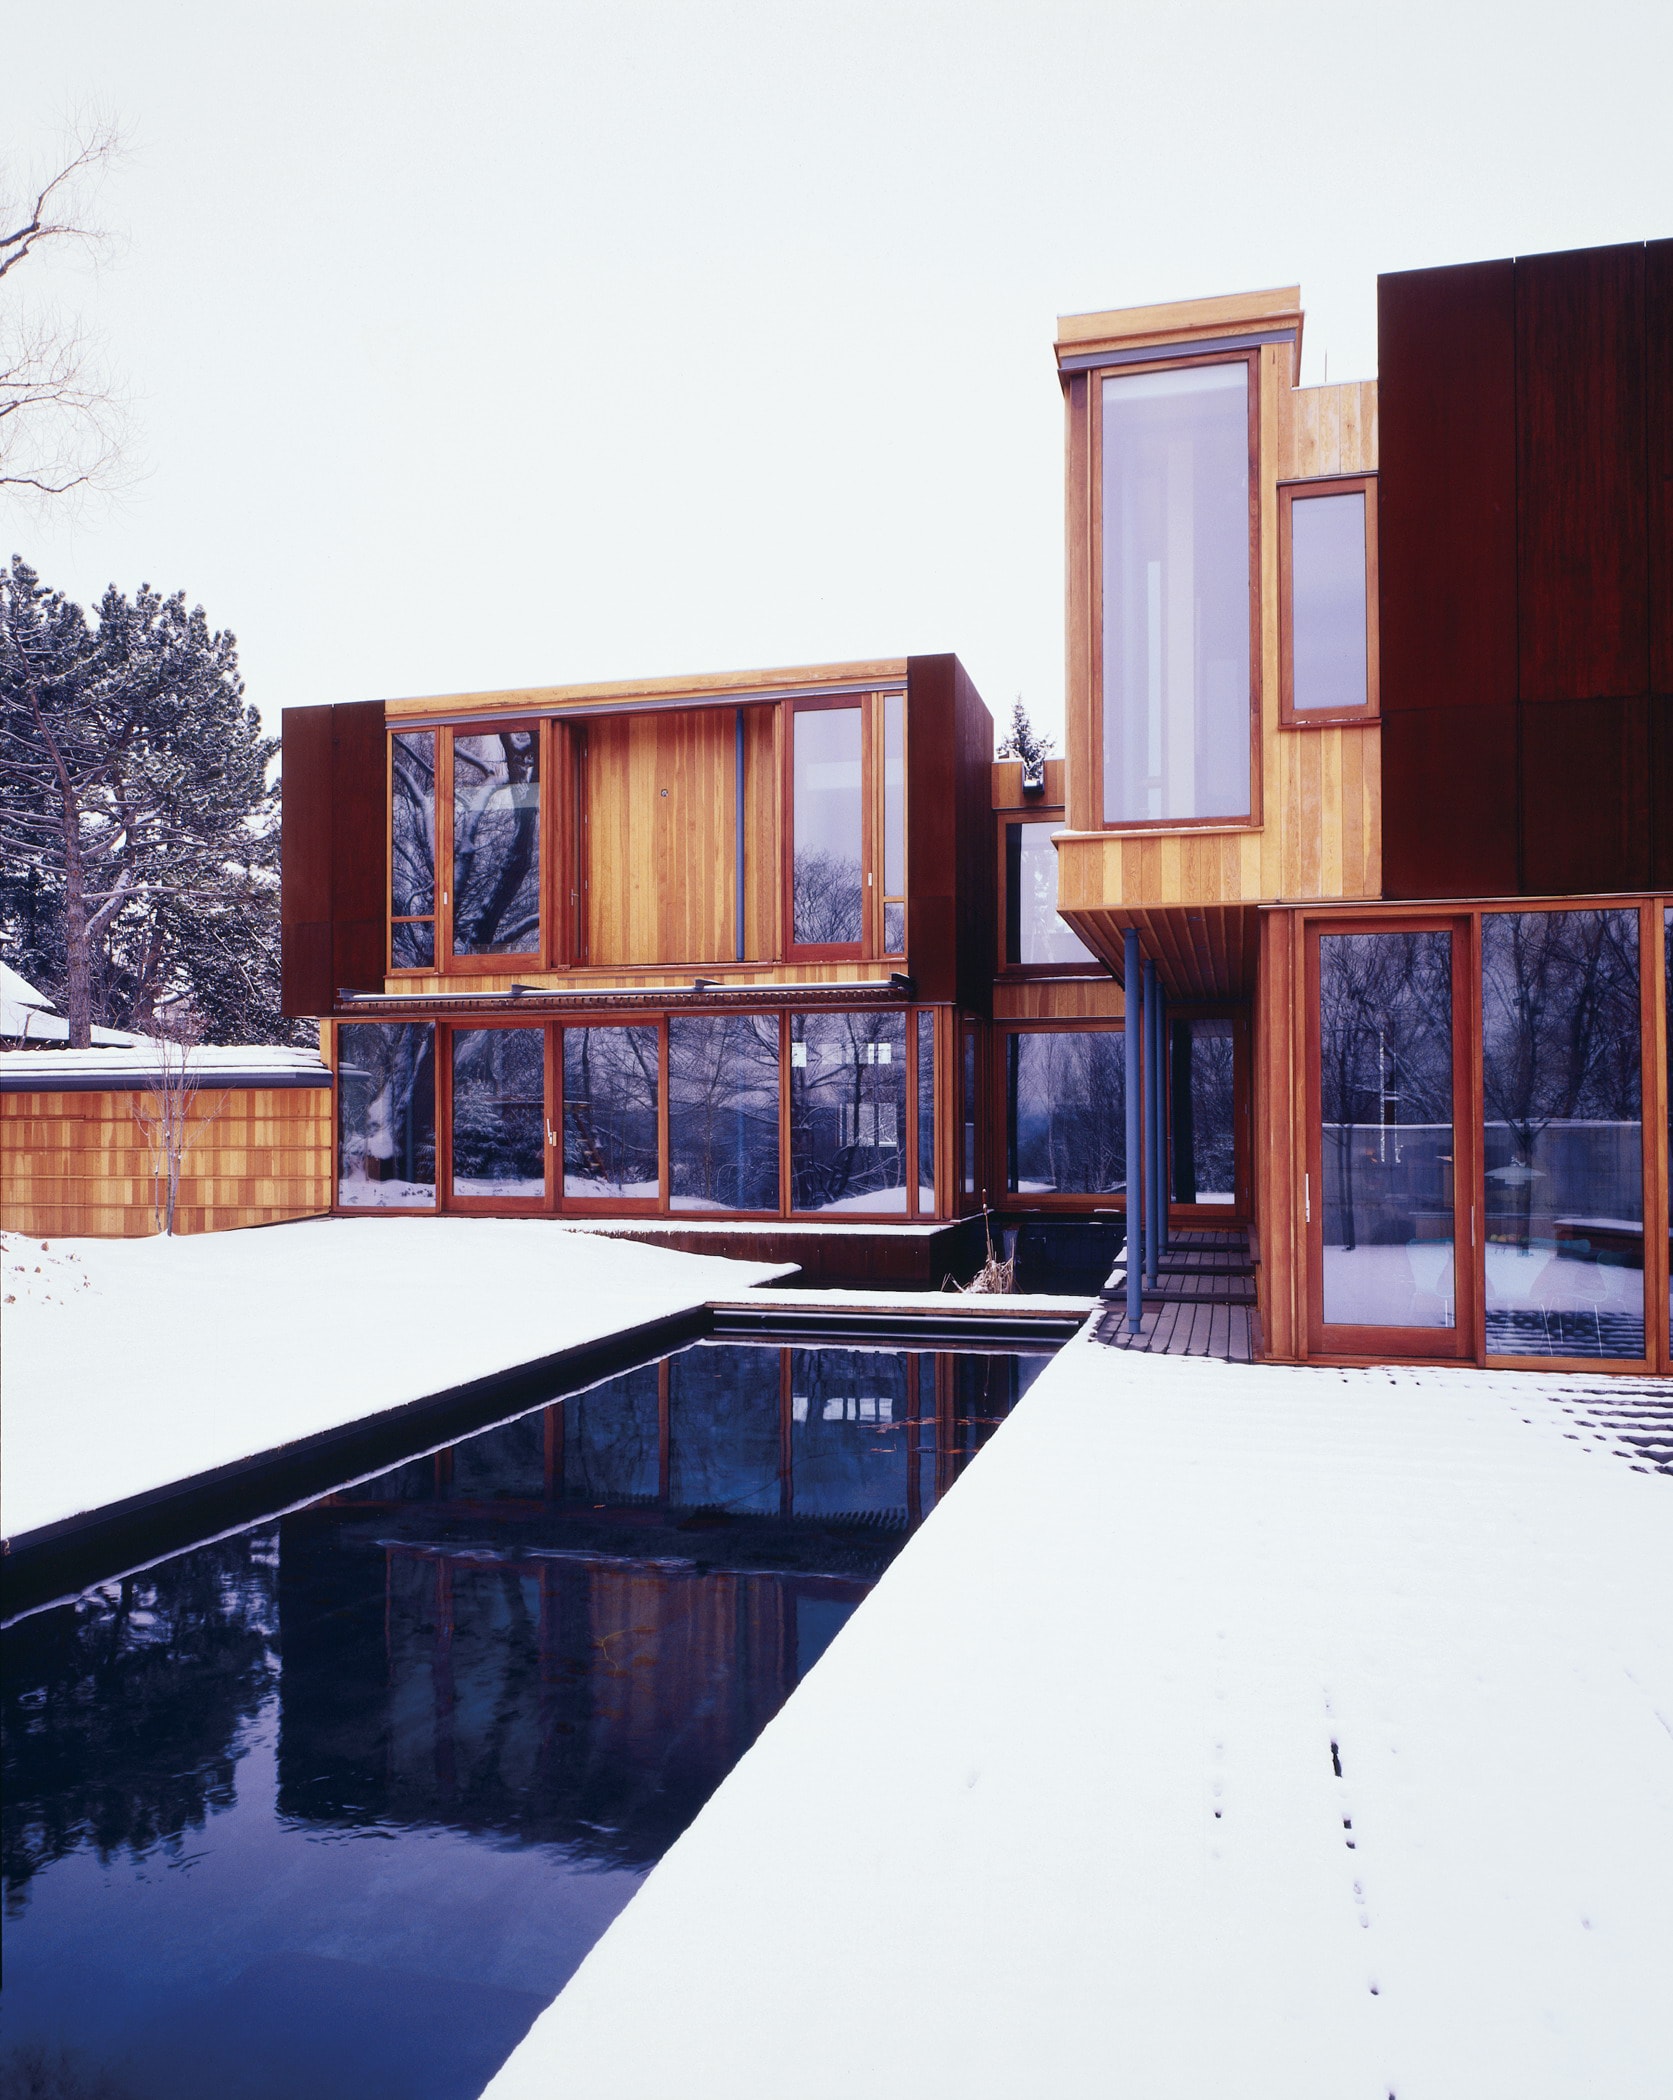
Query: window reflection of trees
[
  {"x": 499, "y": 1111},
  {"x": 413, "y": 848},
  {"x": 723, "y": 1112},
  {"x": 610, "y": 1141},
  {"x": 386, "y": 1111},
  {"x": 1562, "y": 1091},
  {"x": 848, "y": 1111},
  {"x": 496, "y": 843},
  {"x": 1385, "y": 1056},
  {"x": 123, "y": 1714},
  {"x": 1560, "y": 1060},
  {"x": 1066, "y": 1111},
  {"x": 827, "y": 893}
]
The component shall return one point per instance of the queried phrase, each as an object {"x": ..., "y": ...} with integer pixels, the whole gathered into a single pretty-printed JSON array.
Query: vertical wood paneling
[
  {"x": 1658, "y": 378},
  {"x": 1446, "y": 400},
  {"x": 660, "y": 839},
  {"x": 359, "y": 847},
  {"x": 1581, "y": 494},
  {"x": 305, "y": 862},
  {"x": 77, "y": 1164}
]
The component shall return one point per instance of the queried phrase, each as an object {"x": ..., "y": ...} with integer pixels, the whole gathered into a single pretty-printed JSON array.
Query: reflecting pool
[{"x": 336, "y": 1806}]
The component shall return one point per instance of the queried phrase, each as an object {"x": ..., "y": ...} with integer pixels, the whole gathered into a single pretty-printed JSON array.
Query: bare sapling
[{"x": 169, "y": 1118}]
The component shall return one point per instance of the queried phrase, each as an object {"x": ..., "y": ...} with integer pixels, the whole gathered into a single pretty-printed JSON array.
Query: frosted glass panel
[
  {"x": 1176, "y": 594},
  {"x": 1327, "y": 601}
]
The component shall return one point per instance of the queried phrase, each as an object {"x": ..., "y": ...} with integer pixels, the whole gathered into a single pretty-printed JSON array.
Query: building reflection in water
[{"x": 569, "y": 1629}]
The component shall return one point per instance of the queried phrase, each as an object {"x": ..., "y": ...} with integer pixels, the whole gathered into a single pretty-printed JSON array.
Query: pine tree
[
  {"x": 1022, "y": 741},
  {"x": 138, "y": 838}
]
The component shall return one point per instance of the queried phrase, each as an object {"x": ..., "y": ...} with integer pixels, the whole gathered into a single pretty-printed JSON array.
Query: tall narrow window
[
  {"x": 723, "y": 1112},
  {"x": 1385, "y": 1076},
  {"x": 611, "y": 1151},
  {"x": 970, "y": 1161},
  {"x": 1035, "y": 937},
  {"x": 894, "y": 823},
  {"x": 1327, "y": 547},
  {"x": 1562, "y": 1092},
  {"x": 1202, "y": 1100},
  {"x": 412, "y": 855},
  {"x": 499, "y": 1113},
  {"x": 496, "y": 843},
  {"x": 1177, "y": 548},
  {"x": 386, "y": 1115},
  {"x": 848, "y": 1111},
  {"x": 828, "y": 824},
  {"x": 926, "y": 1113}
]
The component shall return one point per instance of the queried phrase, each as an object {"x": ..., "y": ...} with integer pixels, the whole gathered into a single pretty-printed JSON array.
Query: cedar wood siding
[{"x": 1525, "y": 566}]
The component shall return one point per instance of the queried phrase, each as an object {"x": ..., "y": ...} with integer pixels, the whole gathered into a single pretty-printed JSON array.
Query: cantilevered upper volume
[{"x": 1222, "y": 698}]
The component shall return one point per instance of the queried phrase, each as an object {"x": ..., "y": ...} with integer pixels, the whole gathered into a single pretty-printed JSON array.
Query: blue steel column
[
  {"x": 1132, "y": 976},
  {"x": 1152, "y": 1127},
  {"x": 1164, "y": 1180}
]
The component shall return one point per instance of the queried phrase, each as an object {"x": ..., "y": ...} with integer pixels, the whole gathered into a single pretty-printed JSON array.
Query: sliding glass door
[{"x": 1385, "y": 1197}]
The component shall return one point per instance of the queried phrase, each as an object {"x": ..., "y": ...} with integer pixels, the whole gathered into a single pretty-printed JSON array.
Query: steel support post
[{"x": 1133, "y": 1045}]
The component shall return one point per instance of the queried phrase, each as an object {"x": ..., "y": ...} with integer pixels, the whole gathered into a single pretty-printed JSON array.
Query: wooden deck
[{"x": 1201, "y": 1304}]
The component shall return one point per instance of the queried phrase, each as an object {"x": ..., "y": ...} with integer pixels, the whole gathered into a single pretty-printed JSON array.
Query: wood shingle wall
[{"x": 77, "y": 1164}]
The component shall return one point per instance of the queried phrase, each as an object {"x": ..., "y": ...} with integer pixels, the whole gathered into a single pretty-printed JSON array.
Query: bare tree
[
  {"x": 61, "y": 425},
  {"x": 168, "y": 1118}
]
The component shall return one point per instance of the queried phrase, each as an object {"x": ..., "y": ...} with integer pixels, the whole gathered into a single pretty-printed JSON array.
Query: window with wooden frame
[
  {"x": 1327, "y": 600},
  {"x": 845, "y": 805},
  {"x": 465, "y": 847},
  {"x": 1033, "y": 940},
  {"x": 1174, "y": 555}
]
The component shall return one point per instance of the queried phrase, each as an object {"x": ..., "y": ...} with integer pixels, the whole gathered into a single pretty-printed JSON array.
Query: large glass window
[
  {"x": 386, "y": 1115},
  {"x": 894, "y": 823},
  {"x": 610, "y": 1100},
  {"x": 499, "y": 1113},
  {"x": 1034, "y": 934},
  {"x": 1562, "y": 1091},
  {"x": 1385, "y": 1049},
  {"x": 723, "y": 1112},
  {"x": 1328, "y": 641},
  {"x": 848, "y": 1111},
  {"x": 1202, "y": 1101},
  {"x": 926, "y": 1114},
  {"x": 412, "y": 859},
  {"x": 827, "y": 877},
  {"x": 1176, "y": 526},
  {"x": 496, "y": 843},
  {"x": 1065, "y": 1112}
]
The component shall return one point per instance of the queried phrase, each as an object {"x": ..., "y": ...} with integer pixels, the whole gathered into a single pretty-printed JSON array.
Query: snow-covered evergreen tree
[
  {"x": 1023, "y": 741},
  {"x": 138, "y": 832}
]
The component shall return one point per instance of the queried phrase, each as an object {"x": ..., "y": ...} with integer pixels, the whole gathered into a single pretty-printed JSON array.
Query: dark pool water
[{"x": 336, "y": 1806}]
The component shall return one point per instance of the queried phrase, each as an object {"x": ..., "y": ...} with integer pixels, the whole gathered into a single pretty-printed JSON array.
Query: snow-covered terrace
[{"x": 1229, "y": 1730}]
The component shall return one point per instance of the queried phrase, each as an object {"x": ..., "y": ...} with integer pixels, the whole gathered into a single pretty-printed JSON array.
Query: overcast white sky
[{"x": 493, "y": 344}]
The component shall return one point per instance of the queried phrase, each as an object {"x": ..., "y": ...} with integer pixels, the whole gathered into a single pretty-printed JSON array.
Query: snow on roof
[
  {"x": 28, "y": 1015},
  {"x": 133, "y": 1063}
]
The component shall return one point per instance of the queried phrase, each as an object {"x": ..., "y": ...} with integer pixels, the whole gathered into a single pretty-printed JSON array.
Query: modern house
[{"x": 1369, "y": 779}]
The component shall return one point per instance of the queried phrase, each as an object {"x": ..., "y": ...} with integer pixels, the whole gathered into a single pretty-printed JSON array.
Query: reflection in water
[{"x": 337, "y": 1806}]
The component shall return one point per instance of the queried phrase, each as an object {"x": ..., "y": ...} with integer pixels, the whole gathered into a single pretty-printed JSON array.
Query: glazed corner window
[
  {"x": 827, "y": 907},
  {"x": 1327, "y": 541},
  {"x": 496, "y": 843},
  {"x": 1035, "y": 937},
  {"x": 412, "y": 850},
  {"x": 1178, "y": 543}
]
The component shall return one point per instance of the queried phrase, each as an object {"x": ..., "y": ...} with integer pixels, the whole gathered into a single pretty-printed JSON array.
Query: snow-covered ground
[
  {"x": 1228, "y": 1731},
  {"x": 132, "y": 1363}
]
